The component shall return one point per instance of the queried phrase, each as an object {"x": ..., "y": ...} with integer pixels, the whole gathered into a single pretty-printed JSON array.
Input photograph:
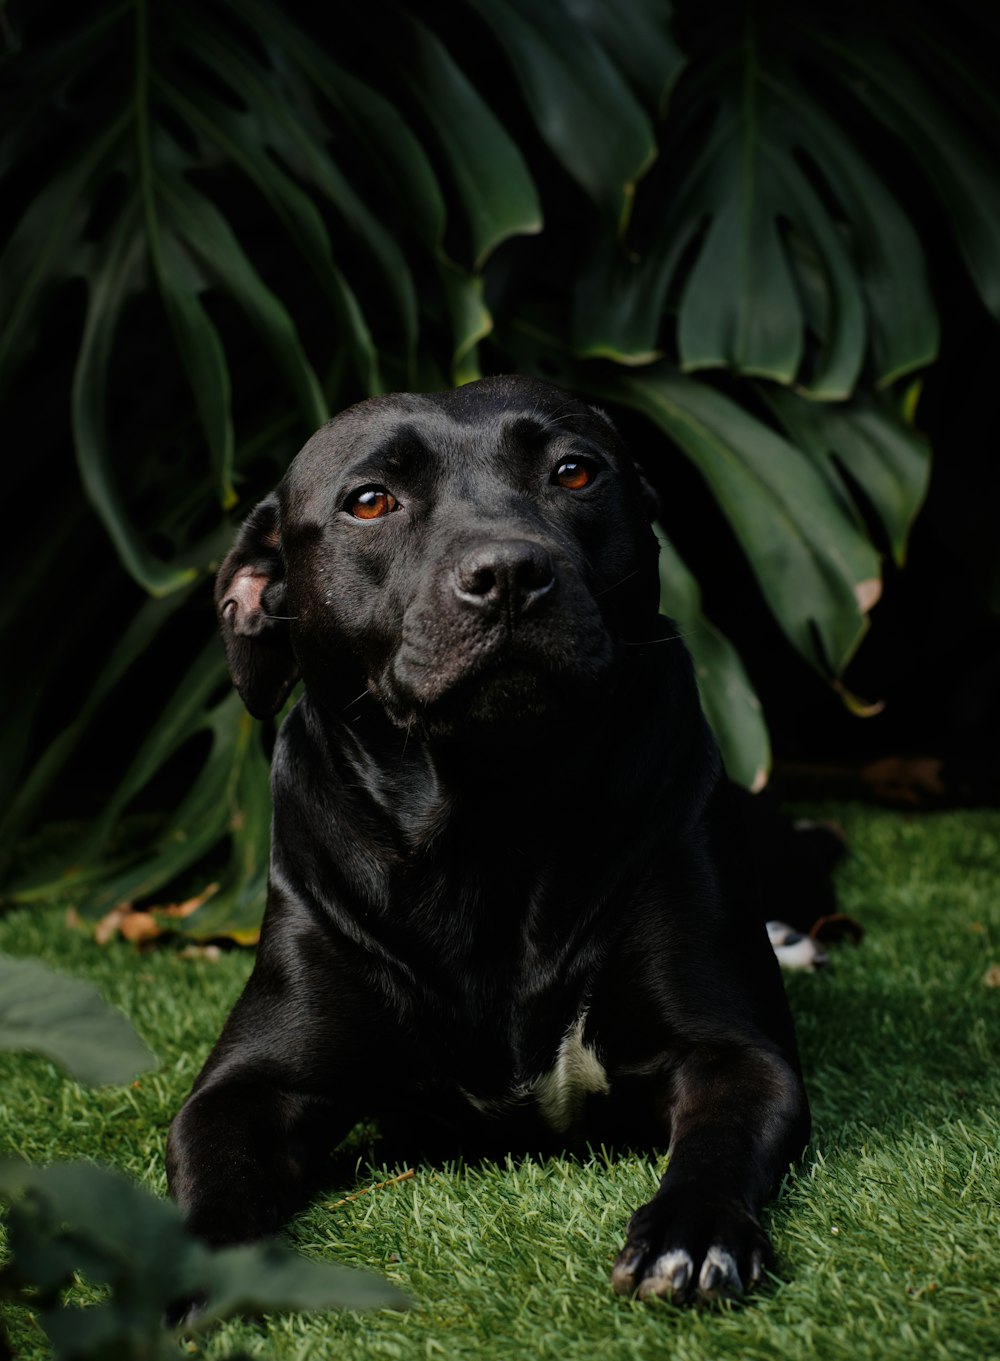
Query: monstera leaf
[
  {"x": 581, "y": 103},
  {"x": 727, "y": 695},
  {"x": 787, "y": 254},
  {"x": 241, "y": 199},
  {"x": 135, "y": 211},
  {"x": 222, "y": 221},
  {"x": 818, "y": 570},
  {"x": 794, "y": 491},
  {"x": 884, "y": 456}
]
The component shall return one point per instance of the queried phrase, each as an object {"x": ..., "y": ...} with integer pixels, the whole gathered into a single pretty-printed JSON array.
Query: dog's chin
[{"x": 504, "y": 702}]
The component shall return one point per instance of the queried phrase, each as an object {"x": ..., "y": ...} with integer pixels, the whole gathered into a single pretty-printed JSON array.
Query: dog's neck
[
  {"x": 517, "y": 777},
  {"x": 398, "y": 827}
]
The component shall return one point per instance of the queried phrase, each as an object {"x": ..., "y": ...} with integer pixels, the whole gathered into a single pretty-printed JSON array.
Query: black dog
[{"x": 508, "y": 904}]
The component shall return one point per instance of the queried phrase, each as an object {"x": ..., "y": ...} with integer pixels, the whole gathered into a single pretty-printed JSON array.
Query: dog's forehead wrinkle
[
  {"x": 379, "y": 427},
  {"x": 451, "y": 435}
]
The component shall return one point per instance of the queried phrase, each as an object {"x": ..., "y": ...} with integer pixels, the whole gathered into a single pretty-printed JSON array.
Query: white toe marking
[
  {"x": 720, "y": 1273},
  {"x": 794, "y": 950},
  {"x": 623, "y": 1275},
  {"x": 668, "y": 1275}
]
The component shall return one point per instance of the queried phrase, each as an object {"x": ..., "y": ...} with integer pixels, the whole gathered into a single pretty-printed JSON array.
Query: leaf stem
[
  {"x": 142, "y": 126},
  {"x": 750, "y": 77}
]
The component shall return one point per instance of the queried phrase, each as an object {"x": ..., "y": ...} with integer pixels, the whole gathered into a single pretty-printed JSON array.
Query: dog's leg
[
  {"x": 244, "y": 1155},
  {"x": 737, "y": 1119}
]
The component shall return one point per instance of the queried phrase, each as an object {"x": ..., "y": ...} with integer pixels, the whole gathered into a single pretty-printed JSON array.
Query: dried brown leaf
[
  {"x": 110, "y": 924},
  {"x": 139, "y": 926},
  {"x": 212, "y": 953}
]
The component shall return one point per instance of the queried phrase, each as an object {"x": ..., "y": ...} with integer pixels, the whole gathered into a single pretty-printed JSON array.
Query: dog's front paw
[{"x": 689, "y": 1249}]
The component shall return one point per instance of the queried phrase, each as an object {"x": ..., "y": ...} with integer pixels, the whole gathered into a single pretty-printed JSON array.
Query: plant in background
[
  {"x": 235, "y": 221},
  {"x": 76, "y": 1219}
]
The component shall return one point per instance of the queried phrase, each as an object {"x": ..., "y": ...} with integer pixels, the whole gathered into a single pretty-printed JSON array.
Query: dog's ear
[
  {"x": 250, "y": 600},
  {"x": 650, "y": 496}
]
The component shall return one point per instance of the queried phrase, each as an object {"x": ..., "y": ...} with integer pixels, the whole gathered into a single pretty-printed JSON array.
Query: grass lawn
[{"x": 888, "y": 1235}]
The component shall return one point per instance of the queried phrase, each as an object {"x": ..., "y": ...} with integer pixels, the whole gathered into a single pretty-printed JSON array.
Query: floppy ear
[
  {"x": 650, "y": 496},
  {"x": 250, "y": 600}
]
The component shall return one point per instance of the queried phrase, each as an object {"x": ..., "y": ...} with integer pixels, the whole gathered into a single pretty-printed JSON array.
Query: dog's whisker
[
  {"x": 615, "y": 584},
  {"x": 653, "y": 642},
  {"x": 406, "y": 736},
  {"x": 365, "y": 694}
]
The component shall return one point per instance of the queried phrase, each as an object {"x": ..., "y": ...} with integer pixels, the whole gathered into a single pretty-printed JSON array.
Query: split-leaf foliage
[{"x": 224, "y": 221}]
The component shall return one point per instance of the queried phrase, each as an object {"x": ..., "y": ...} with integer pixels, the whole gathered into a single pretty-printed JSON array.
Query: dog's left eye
[
  {"x": 370, "y": 503},
  {"x": 574, "y": 474}
]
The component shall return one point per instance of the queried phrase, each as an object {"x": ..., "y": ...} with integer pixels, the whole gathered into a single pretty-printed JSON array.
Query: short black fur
[{"x": 509, "y": 904}]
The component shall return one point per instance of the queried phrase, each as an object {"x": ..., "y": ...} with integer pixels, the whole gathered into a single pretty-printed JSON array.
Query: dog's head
[{"x": 472, "y": 557}]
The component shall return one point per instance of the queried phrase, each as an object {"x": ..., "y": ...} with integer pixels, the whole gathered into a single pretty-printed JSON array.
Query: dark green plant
[
  {"x": 713, "y": 218},
  {"x": 66, "y": 1020},
  {"x": 77, "y": 1219}
]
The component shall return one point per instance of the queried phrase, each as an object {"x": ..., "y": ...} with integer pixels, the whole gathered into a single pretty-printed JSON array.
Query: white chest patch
[
  {"x": 560, "y": 1093},
  {"x": 576, "y": 1074}
]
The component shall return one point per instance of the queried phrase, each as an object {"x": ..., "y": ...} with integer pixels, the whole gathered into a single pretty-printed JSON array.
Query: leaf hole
[
  {"x": 821, "y": 186},
  {"x": 685, "y": 264}
]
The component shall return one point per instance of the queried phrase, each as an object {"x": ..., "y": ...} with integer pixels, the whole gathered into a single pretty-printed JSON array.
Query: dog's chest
[{"x": 558, "y": 1092}]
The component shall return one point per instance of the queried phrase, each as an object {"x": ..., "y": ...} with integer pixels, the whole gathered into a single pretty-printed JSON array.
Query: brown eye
[
  {"x": 573, "y": 474},
  {"x": 371, "y": 503}
]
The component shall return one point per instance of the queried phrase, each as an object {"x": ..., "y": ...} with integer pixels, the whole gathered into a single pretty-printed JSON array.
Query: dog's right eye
[
  {"x": 574, "y": 474},
  {"x": 370, "y": 503}
]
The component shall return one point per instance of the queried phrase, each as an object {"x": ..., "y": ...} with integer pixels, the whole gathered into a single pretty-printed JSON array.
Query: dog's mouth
[{"x": 507, "y": 691}]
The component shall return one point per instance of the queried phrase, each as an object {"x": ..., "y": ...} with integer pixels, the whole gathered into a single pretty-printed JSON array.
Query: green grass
[{"x": 888, "y": 1236}]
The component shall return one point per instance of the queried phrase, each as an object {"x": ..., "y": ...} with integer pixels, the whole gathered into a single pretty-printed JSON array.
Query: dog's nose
[{"x": 514, "y": 574}]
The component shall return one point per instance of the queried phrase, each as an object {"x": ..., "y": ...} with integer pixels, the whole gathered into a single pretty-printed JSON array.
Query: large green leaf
[
  {"x": 371, "y": 121},
  {"x": 959, "y": 168},
  {"x": 68, "y": 1021},
  {"x": 198, "y": 341},
  {"x": 211, "y": 240},
  {"x": 166, "y": 232},
  {"x": 639, "y": 39},
  {"x": 580, "y": 103},
  {"x": 201, "y": 819},
  {"x": 885, "y": 457},
  {"x": 789, "y": 257},
  {"x": 728, "y": 698},
  {"x": 130, "y": 647},
  {"x": 817, "y": 569},
  {"x": 272, "y": 123},
  {"x": 230, "y": 798},
  {"x": 77, "y": 1217},
  {"x": 469, "y": 318},
  {"x": 260, "y": 213},
  {"x": 46, "y": 246},
  {"x": 118, "y": 276},
  {"x": 184, "y": 716},
  {"x": 495, "y": 188}
]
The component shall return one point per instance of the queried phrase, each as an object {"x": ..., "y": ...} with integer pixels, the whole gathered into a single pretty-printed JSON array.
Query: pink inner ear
[{"x": 244, "y": 594}]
